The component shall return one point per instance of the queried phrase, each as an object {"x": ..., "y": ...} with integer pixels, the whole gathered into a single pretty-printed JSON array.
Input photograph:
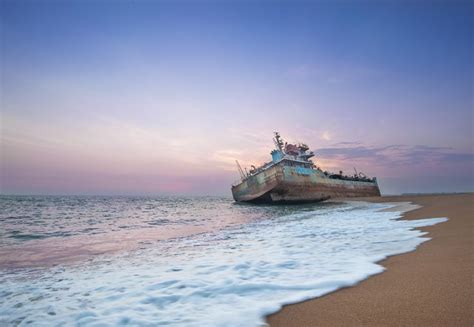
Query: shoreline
[{"x": 431, "y": 285}]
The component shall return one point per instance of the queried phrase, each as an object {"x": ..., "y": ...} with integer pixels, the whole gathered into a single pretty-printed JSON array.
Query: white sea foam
[{"x": 233, "y": 277}]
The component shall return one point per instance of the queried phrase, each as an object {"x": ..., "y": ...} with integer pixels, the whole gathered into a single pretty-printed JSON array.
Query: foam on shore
[{"x": 234, "y": 277}]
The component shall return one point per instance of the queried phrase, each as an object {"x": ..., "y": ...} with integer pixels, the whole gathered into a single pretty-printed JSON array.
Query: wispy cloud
[
  {"x": 396, "y": 156},
  {"x": 113, "y": 150},
  {"x": 346, "y": 143},
  {"x": 326, "y": 136}
]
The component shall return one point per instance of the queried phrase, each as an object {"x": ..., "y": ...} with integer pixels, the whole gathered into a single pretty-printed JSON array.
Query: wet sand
[{"x": 431, "y": 286}]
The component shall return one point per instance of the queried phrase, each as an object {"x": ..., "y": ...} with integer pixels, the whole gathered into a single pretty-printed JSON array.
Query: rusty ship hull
[{"x": 283, "y": 183}]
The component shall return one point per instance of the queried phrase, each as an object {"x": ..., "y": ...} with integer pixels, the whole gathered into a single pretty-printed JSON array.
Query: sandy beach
[{"x": 431, "y": 286}]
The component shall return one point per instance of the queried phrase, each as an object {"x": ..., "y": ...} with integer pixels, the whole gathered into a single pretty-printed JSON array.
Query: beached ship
[{"x": 292, "y": 177}]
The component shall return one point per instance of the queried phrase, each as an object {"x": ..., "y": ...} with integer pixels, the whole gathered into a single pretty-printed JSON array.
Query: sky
[{"x": 161, "y": 97}]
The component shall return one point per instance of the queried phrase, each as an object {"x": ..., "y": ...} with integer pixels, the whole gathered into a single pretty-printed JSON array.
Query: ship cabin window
[{"x": 290, "y": 163}]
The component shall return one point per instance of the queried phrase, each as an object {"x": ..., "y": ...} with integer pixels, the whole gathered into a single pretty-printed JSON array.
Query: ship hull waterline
[{"x": 285, "y": 184}]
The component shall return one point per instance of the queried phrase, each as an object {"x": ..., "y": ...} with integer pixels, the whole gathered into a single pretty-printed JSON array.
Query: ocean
[{"x": 184, "y": 261}]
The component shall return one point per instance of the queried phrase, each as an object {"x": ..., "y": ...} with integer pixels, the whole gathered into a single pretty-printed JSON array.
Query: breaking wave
[{"x": 232, "y": 277}]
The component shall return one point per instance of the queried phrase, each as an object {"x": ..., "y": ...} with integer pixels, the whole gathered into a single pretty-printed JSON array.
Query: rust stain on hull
[{"x": 286, "y": 184}]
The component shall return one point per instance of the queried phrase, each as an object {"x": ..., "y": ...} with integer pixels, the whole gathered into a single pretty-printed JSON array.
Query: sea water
[{"x": 185, "y": 261}]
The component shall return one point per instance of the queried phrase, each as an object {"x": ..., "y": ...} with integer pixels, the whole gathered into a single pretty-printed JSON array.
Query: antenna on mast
[
  {"x": 241, "y": 172},
  {"x": 278, "y": 141}
]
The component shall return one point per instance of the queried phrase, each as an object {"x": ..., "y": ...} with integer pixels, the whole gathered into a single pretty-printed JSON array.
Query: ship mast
[
  {"x": 241, "y": 172},
  {"x": 278, "y": 141}
]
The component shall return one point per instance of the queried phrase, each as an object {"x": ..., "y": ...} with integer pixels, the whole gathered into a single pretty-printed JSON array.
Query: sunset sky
[{"x": 161, "y": 97}]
